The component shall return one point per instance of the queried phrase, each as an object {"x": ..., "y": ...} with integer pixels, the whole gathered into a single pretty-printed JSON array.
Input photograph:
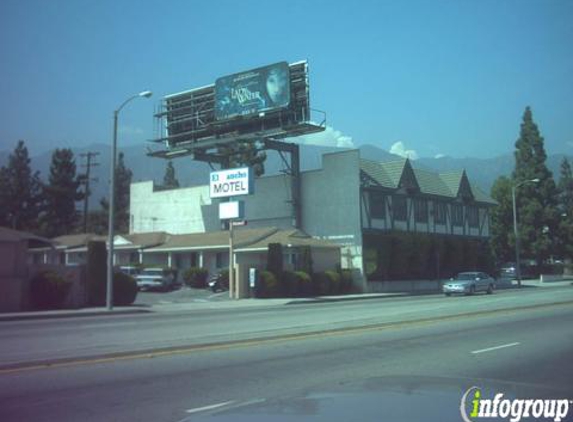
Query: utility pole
[{"x": 88, "y": 165}]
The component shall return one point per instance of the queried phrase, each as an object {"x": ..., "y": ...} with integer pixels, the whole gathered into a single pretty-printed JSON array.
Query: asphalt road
[{"x": 222, "y": 359}]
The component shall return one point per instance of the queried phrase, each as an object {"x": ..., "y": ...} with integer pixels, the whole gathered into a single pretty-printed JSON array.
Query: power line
[{"x": 88, "y": 166}]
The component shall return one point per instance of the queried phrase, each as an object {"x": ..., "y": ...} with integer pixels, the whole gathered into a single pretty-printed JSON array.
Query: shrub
[
  {"x": 345, "y": 281},
  {"x": 269, "y": 285},
  {"x": 306, "y": 287},
  {"x": 96, "y": 270},
  {"x": 322, "y": 283},
  {"x": 291, "y": 283},
  {"x": 196, "y": 277},
  {"x": 48, "y": 290},
  {"x": 334, "y": 281},
  {"x": 124, "y": 289}
]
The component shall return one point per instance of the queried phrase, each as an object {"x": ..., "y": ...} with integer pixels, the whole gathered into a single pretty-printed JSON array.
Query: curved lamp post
[
  {"x": 109, "y": 287},
  {"x": 515, "y": 231}
]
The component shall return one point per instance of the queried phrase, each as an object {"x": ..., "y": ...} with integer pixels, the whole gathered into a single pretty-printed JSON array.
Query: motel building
[{"x": 345, "y": 206}]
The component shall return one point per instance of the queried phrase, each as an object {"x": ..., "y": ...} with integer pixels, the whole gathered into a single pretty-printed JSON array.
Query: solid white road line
[
  {"x": 489, "y": 349},
  {"x": 210, "y": 407}
]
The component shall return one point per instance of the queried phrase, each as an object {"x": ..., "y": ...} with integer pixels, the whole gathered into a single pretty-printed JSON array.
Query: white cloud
[
  {"x": 398, "y": 148},
  {"x": 570, "y": 143},
  {"x": 329, "y": 137},
  {"x": 439, "y": 155}
]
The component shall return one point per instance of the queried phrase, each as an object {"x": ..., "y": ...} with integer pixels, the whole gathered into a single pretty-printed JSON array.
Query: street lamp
[
  {"x": 517, "y": 259},
  {"x": 109, "y": 288}
]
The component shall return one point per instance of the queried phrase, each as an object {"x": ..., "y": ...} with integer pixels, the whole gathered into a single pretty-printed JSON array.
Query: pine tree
[
  {"x": 170, "y": 179},
  {"x": 502, "y": 239},
  {"x": 536, "y": 202},
  {"x": 61, "y": 194},
  {"x": 21, "y": 197},
  {"x": 566, "y": 211},
  {"x": 123, "y": 176}
]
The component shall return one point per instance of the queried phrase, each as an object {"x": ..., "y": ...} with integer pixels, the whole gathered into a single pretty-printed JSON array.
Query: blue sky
[{"x": 432, "y": 77}]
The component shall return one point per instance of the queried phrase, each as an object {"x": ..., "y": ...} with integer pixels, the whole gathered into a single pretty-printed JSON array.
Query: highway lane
[
  {"x": 46, "y": 340},
  {"x": 530, "y": 348}
]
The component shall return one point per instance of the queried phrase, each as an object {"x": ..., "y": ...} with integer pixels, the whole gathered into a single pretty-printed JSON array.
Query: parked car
[
  {"x": 469, "y": 283},
  {"x": 130, "y": 270},
  {"x": 155, "y": 279}
]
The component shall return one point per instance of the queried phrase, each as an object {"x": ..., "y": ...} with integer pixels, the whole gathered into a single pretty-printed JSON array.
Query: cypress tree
[
  {"x": 502, "y": 237},
  {"x": 61, "y": 194},
  {"x": 565, "y": 248},
  {"x": 169, "y": 179},
  {"x": 536, "y": 202},
  {"x": 21, "y": 197}
]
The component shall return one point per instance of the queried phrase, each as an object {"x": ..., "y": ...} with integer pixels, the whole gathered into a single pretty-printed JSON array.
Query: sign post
[{"x": 226, "y": 184}]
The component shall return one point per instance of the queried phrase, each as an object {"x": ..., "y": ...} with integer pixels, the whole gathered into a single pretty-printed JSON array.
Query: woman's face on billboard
[{"x": 276, "y": 85}]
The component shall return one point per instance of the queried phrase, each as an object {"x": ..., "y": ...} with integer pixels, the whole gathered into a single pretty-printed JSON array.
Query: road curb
[
  {"x": 304, "y": 301},
  {"x": 70, "y": 314}
]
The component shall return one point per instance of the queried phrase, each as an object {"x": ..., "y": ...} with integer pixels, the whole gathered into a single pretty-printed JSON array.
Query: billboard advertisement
[{"x": 253, "y": 92}]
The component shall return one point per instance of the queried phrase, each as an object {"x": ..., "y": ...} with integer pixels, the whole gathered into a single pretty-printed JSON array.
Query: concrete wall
[
  {"x": 331, "y": 206},
  {"x": 175, "y": 211}
]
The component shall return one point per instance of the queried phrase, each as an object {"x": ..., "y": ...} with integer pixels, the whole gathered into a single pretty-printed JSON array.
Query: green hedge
[
  {"x": 48, "y": 290},
  {"x": 269, "y": 285},
  {"x": 124, "y": 289},
  {"x": 411, "y": 256},
  {"x": 196, "y": 277}
]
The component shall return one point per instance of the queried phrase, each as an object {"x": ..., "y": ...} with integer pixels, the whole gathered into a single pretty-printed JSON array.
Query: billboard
[{"x": 253, "y": 92}]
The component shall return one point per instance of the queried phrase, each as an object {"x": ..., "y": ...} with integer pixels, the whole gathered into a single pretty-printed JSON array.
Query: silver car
[
  {"x": 155, "y": 279},
  {"x": 469, "y": 283}
]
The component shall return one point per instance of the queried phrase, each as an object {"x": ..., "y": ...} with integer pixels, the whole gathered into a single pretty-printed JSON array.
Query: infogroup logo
[{"x": 512, "y": 409}]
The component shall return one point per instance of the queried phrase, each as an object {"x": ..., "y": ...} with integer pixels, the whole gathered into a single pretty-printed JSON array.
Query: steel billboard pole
[
  {"x": 231, "y": 261},
  {"x": 111, "y": 234}
]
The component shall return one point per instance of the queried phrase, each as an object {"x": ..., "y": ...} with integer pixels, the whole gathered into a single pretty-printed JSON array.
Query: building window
[
  {"x": 421, "y": 210},
  {"x": 458, "y": 215},
  {"x": 400, "y": 208},
  {"x": 377, "y": 205},
  {"x": 440, "y": 211},
  {"x": 473, "y": 216}
]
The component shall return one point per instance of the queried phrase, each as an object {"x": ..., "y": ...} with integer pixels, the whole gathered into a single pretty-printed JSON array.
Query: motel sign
[{"x": 235, "y": 182}]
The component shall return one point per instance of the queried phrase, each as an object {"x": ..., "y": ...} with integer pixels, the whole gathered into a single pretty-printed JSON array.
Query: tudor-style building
[{"x": 396, "y": 196}]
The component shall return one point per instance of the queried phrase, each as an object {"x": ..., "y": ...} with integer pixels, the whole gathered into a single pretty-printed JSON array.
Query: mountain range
[{"x": 481, "y": 171}]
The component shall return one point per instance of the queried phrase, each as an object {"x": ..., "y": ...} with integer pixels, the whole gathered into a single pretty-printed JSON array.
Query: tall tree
[
  {"x": 61, "y": 194},
  {"x": 123, "y": 176},
  {"x": 170, "y": 179},
  {"x": 21, "y": 197},
  {"x": 502, "y": 238},
  {"x": 245, "y": 154},
  {"x": 566, "y": 210},
  {"x": 536, "y": 202}
]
